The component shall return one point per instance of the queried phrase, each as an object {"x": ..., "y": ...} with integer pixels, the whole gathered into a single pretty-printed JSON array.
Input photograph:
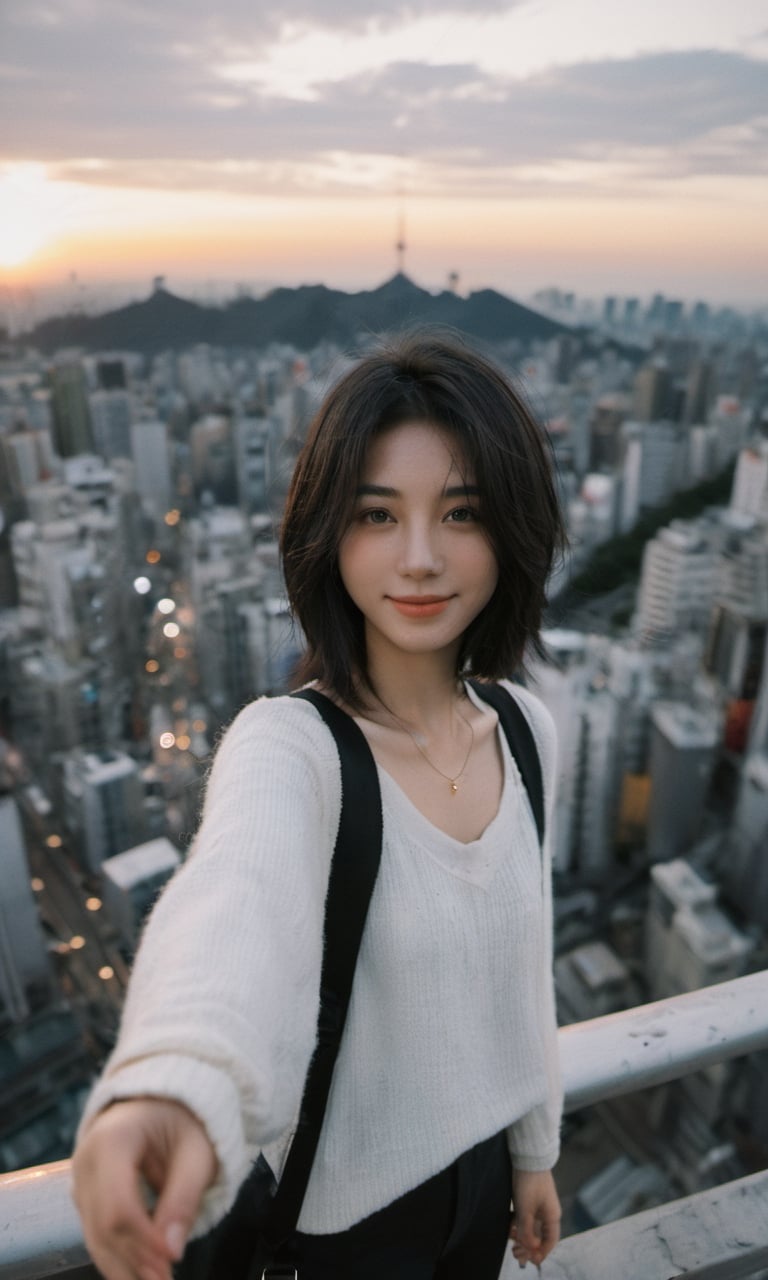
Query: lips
[{"x": 420, "y": 606}]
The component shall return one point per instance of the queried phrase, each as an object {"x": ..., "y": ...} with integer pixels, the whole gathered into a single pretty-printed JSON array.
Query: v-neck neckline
[{"x": 471, "y": 860}]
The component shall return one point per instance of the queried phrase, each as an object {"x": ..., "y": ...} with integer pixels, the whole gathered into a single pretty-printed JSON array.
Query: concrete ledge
[
  {"x": 721, "y": 1234},
  {"x": 605, "y": 1057},
  {"x": 40, "y": 1231}
]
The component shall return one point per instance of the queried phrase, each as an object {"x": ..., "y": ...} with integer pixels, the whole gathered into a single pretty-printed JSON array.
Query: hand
[
  {"x": 131, "y": 1144},
  {"x": 535, "y": 1226}
]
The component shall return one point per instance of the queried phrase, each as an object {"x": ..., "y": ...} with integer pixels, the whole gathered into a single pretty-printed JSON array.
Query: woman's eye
[
  {"x": 375, "y": 515},
  {"x": 463, "y": 515}
]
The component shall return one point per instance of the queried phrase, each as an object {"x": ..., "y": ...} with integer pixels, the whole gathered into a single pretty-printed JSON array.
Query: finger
[
  {"x": 525, "y": 1234},
  {"x": 550, "y": 1233},
  {"x": 123, "y": 1248},
  {"x": 521, "y": 1247},
  {"x": 117, "y": 1226},
  {"x": 190, "y": 1172}
]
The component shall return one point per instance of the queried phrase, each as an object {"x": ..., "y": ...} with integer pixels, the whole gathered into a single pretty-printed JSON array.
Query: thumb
[{"x": 191, "y": 1170}]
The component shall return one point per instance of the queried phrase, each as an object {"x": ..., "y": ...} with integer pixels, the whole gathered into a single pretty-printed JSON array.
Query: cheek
[
  {"x": 485, "y": 568},
  {"x": 354, "y": 561}
]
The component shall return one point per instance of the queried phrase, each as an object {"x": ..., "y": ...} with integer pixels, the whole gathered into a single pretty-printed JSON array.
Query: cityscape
[{"x": 141, "y": 605}]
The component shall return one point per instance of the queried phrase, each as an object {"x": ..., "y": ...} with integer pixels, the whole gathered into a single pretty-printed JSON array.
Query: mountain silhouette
[{"x": 303, "y": 316}]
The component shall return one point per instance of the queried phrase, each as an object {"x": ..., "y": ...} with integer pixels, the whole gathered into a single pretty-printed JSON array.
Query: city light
[
  {"x": 166, "y": 605},
  {"x": 153, "y": 557},
  {"x": 142, "y": 585},
  {"x": 106, "y": 972},
  {"x": 183, "y": 742},
  {"x": 199, "y": 726},
  {"x": 152, "y": 665},
  {"x": 37, "y": 884},
  {"x": 171, "y": 630},
  {"x": 77, "y": 942},
  {"x": 93, "y": 904},
  {"x": 167, "y": 740},
  {"x": 53, "y": 842},
  {"x": 180, "y": 652},
  {"x": 172, "y": 517}
]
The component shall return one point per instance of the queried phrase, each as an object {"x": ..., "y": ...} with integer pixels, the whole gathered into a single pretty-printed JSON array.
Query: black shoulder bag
[{"x": 250, "y": 1242}]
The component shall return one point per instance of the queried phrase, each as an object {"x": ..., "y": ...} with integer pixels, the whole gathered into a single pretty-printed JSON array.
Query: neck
[{"x": 422, "y": 691}]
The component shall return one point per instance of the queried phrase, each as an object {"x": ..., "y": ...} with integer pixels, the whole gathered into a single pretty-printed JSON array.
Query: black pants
[{"x": 453, "y": 1227}]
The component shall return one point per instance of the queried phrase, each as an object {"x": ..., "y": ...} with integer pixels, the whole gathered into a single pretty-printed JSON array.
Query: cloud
[{"x": 137, "y": 91}]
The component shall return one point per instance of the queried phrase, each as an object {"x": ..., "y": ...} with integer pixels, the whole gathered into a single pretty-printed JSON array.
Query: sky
[{"x": 601, "y": 146}]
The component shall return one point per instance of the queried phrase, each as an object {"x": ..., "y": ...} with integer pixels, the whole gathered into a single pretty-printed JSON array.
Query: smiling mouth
[{"x": 420, "y": 606}]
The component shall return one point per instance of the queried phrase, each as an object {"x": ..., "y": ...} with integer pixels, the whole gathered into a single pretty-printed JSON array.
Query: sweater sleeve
[
  {"x": 534, "y": 1139},
  {"x": 221, "y": 1010}
]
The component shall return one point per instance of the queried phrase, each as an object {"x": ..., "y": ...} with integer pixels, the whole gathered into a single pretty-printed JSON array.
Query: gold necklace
[{"x": 452, "y": 781}]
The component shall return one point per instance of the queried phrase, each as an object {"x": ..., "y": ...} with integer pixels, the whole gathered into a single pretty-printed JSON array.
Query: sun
[
  {"x": 28, "y": 216},
  {"x": 18, "y": 242}
]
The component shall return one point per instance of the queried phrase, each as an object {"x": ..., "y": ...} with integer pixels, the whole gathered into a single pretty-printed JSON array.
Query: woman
[{"x": 418, "y": 536}]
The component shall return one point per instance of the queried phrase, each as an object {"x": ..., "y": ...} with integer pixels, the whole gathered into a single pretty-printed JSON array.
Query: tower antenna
[{"x": 400, "y": 243}]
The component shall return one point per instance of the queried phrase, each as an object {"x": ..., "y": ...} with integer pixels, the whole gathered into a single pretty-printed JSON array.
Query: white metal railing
[{"x": 601, "y": 1058}]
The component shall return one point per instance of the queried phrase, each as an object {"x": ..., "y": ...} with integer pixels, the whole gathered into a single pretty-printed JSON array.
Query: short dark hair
[{"x": 427, "y": 377}]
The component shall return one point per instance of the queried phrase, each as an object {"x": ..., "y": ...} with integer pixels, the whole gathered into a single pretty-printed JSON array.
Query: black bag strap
[
  {"x": 354, "y": 867},
  {"x": 521, "y": 741}
]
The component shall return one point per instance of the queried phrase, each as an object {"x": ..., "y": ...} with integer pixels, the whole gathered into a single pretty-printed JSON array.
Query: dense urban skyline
[{"x": 523, "y": 144}]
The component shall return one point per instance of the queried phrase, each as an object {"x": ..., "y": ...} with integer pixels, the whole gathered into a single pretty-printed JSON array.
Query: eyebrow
[{"x": 383, "y": 491}]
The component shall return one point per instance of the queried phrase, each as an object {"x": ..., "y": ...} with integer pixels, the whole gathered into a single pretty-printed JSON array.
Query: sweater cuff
[
  {"x": 208, "y": 1093},
  {"x": 530, "y": 1156}
]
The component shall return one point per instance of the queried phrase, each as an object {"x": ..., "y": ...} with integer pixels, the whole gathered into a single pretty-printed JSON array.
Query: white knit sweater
[{"x": 451, "y": 1032}]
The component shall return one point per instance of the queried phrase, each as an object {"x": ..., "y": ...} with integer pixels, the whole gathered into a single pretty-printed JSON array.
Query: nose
[{"x": 420, "y": 551}]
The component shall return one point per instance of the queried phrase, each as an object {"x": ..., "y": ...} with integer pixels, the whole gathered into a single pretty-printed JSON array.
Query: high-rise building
[
  {"x": 212, "y": 453},
  {"x": 55, "y": 705},
  {"x": 103, "y": 799},
  {"x": 132, "y": 881},
  {"x": 745, "y": 862},
  {"x": 25, "y": 975},
  {"x": 254, "y": 440},
  {"x": 585, "y": 714},
  {"x": 731, "y": 419},
  {"x": 690, "y": 941},
  {"x": 703, "y": 452},
  {"x": 652, "y": 392},
  {"x": 72, "y": 430},
  {"x": 699, "y": 392},
  {"x": 742, "y": 567},
  {"x": 654, "y": 460},
  {"x": 749, "y": 495},
  {"x": 606, "y": 447},
  {"x": 735, "y": 655},
  {"x": 150, "y": 450},
  {"x": 683, "y": 745},
  {"x": 112, "y": 414},
  {"x": 592, "y": 980},
  {"x": 26, "y": 459},
  {"x": 677, "y": 581}
]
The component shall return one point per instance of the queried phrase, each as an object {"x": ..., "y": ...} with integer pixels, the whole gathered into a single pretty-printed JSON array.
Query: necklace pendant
[{"x": 454, "y": 788}]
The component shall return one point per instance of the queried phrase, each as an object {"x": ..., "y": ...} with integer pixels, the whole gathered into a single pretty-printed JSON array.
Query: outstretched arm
[
  {"x": 535, "y": 1226},
  {"x": 131, "y": 1146}
]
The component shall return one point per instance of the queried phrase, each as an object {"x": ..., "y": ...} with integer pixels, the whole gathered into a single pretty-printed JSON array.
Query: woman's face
[{"x": 416, "y": 559}]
